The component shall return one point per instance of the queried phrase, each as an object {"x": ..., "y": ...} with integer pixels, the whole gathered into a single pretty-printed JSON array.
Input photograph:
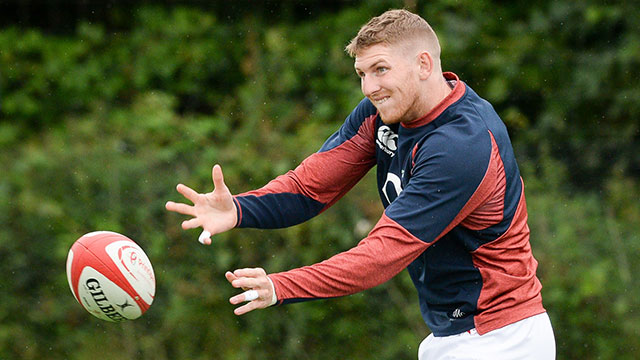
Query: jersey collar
[{"x": 454, "y": 95}]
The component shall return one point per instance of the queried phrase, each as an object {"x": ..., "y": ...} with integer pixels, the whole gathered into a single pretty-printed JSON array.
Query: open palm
[{"x": 215, "y": 211}]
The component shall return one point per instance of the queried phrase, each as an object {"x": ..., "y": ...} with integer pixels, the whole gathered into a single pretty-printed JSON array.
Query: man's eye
[{"x": 382, "y": 70}]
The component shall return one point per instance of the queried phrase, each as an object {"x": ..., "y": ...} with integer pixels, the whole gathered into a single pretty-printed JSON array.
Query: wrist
[
  {"x": 274, "y": 297},
  {"x": 238, "y": 212}
]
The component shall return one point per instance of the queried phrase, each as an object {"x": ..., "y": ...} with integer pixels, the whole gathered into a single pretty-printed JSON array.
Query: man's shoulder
[
  {"x": 460, "y": 128},
  {"x": 363, "y": 111},
  {"x": 364, "y": 115},
  {"x": 460, "y": 146},
  {"x": 360, "y": 122}
]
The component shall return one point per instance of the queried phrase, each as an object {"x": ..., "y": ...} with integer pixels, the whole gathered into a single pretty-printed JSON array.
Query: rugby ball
[{"x": 110, "y": 276}]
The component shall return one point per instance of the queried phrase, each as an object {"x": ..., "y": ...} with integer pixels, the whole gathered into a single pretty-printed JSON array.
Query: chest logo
[
  {"x": 387, "y": 140},
  {"x": 392, "y": 187}
]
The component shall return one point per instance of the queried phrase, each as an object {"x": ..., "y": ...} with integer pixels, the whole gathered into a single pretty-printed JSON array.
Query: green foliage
[
  {"x": 97, "y": 127},
  {"x": 562, "y": 74}
]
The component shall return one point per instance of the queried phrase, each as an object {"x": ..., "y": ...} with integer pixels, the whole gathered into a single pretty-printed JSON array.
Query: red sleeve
[
  {"x": 316, "y": 184},
  {"x": 387, "y": 250}
]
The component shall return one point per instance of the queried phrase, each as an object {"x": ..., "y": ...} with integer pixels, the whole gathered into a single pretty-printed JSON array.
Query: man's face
[{"x": 390, "y": 79}]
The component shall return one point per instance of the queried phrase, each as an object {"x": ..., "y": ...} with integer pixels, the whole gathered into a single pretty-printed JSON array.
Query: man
[{"x": 455, "y": 213}]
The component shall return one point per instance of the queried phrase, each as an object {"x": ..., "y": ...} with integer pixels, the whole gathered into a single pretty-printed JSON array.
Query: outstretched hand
[
  {"x": 215, "y": 212},
  {"x": 259, "y": 292}
]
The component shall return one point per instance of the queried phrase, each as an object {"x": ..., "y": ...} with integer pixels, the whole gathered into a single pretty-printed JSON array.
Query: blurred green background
[{"x": 106, "y": 106}]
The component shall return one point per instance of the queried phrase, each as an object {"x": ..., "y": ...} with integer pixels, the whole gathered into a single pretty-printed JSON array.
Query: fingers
[
  {"x": 187, "y": 192},
  {"x": 249, "y": 295},
  {"x": 246, "y": 283},
  {"x": 250, "y": 272},
  {"x": 205, "y": 237},
  {"x": 218, "y": 178},
  {"x": 184, "y": 208},
  {"x": 258, "y": 288},
  {"x": 180, "y": 208},
  {"x": 248, "y": 307},
  {"x": 230, "y": 276},
  {"x": 191, "y": 223},
  {"x": 248, "y": 278},
  {"x": 214, "y": 212},
  {"x": 255, "y": 299}
]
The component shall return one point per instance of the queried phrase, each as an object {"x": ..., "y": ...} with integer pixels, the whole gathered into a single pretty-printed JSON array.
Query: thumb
[{"x": 218, "y": 178}]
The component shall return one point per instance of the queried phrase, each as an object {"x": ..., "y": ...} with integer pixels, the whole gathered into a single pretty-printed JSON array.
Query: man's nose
[{"x": 369, "y": 85}]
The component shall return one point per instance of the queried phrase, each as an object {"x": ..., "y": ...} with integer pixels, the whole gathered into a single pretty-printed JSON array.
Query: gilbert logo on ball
[{"x": 110, "y": 276}]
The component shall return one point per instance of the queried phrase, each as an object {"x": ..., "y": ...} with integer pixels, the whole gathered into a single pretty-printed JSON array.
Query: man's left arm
[{"x": 380, "y": 256}]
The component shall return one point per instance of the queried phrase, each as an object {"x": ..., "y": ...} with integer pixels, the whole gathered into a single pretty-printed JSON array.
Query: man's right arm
[{"x": 319, "y": 181}]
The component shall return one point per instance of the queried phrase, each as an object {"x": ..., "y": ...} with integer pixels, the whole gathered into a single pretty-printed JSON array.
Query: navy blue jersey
[{"x": 455, "y": 214}]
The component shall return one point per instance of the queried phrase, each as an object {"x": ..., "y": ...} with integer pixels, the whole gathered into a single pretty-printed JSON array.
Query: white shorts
[{"x": 531, "y": 338}]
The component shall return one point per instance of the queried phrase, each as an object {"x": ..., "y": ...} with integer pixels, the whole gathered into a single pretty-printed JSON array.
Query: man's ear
[{"x": 425, "y": 61}]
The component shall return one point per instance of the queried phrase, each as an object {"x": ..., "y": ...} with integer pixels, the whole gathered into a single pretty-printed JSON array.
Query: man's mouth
[{"x": 381, "y": 100}]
